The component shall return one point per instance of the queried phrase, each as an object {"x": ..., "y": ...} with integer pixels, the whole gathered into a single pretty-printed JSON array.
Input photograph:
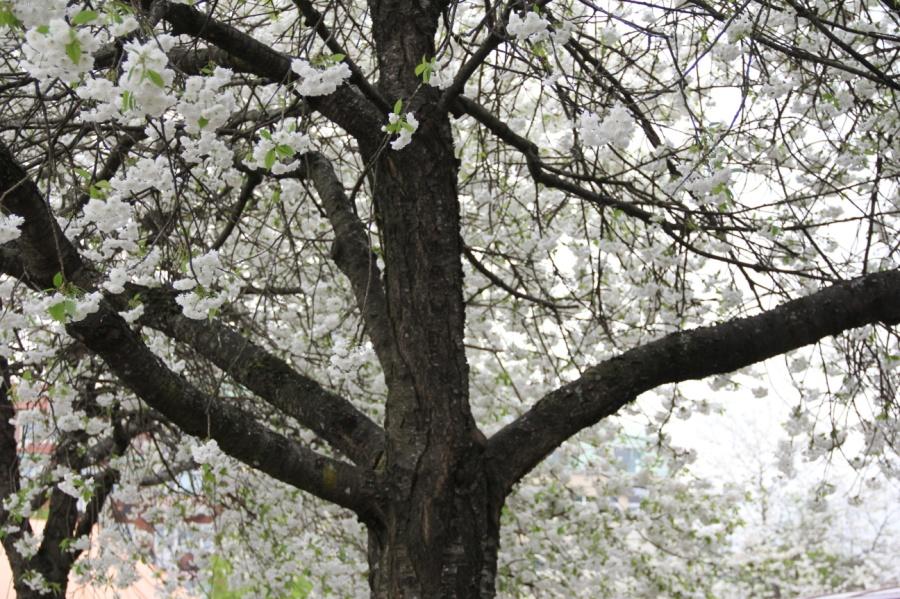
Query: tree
[{"x": 510, "y": 219}]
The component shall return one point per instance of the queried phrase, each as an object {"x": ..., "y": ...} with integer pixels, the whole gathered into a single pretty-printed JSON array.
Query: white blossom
[
  {"x": 9, "y": 227},
  {"x": 56, "y": 50},
  {"x": 34, "y": 14},
  {"x": 615, "y": 129},
  {"x": 204, "y": 105},
  {"x": 146, "y": 78},
  {"x": 404, "y": 135},
  {"x": 319, "y": 82},
  {"x": 440, "y": 77},
  {"x": 532, "y": 28},
  {"x": 206, "y": 453}
]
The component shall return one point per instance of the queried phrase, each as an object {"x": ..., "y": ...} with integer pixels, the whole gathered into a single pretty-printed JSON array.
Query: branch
[
  {"x": 872, "y": 73},
  {"x": 543, "y": 174},
  {"x": 352, "y": 252},
  {"x": 536, "y": 166},
  {"x": 237, "y": 432},
  {"x": 484, "y": 270},
  {"x": 253, "y": 180},
  {"x": 491, "y": 42},
  {"x": 106, "y": 334},
  {"x": 314, "y": 19},
  {"x": 694, "y": 354},
  {"x": 346, "y": 107},
  {"x": 115, "y": 159},
  {"x": 468, "y": 69},
  {"x": 327, "y": 414}
]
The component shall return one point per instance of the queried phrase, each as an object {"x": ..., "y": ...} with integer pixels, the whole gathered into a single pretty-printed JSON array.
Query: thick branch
[
  {"x": 346, "y": 107},
  {"x": 324, "y": 412},
  {"x": 352, "y": 252},
  {"x": 327, "y": 414},
  {"x": 237, "y": 432},
  {"x": 694, "y": 354},
  {"x": 106, "y": 334}
]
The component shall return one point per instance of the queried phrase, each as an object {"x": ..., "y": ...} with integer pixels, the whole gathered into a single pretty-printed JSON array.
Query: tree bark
[
  {"x": 440, "y": 534},
  {"x": 442, "y": 546}
]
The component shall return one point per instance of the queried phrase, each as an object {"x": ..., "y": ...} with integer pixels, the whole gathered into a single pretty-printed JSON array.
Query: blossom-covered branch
[
  {"x": 346, "y": 106},
  {"x": 605, "y": 388},
  {"x": 108, "y": 335}
]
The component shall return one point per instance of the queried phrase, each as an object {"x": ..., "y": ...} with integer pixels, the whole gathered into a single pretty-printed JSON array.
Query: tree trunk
[
  {"x": 444, "y": 546},
  {"x": 439, "y": 533}
]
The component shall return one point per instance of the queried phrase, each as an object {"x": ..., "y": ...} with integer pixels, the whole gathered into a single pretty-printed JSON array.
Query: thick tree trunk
[
  {"x": 440, "y": 528},
  {"x": 444, "y": 546},
  {"x": 440, "y": 531}
]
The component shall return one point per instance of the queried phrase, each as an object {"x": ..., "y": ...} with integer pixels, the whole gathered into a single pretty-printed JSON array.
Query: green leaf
[
  {"x": 99, "y": 190},
  {"x": 123, "y": 7},
  {"x": 84, "y": 16},
  {"x": 60, "y": 310},
  {"x": 202, "y": 122},
  {"x": 424, "y": 68},
  {"x": 325, "y": 60},
  {"x": 45, "y": 29},
  {"x": 58, "y": 280},
  {"x": 73, "y": 50},
  {"x": 8, "y": 19},
  {"x": 398, "y": 106},
  {"x": 128, "y": 101},
  {"x": 155, "y": 78},
  {"x": 83, "y": 173},
  {"x": 271, "y": 157},
  {"x": 265, "y": 134},
  {"x": 284, "y": 151}
]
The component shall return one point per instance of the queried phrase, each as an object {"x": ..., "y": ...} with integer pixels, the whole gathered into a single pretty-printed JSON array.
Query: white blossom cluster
[
  {"x": 279, "y": 151},
  {"x": 9, "y": 227},
  {"x": 57, "y": 51},
  {"x": 200, "y": 299},
  {"x": 615, "y": 129},
  {"x": 35, "y": 14},
  {"x": 409, "y": 125},
  {"x": 533, "y": 28},
  {"x": 144, "y": 88},
  {"x": 207, "y": 452},
  {"x": 319, "y": 82},
  {"x": 203, "y": 105},
  {"x": 440, "y": 76},
  {"x": 146, "y": 76}
]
